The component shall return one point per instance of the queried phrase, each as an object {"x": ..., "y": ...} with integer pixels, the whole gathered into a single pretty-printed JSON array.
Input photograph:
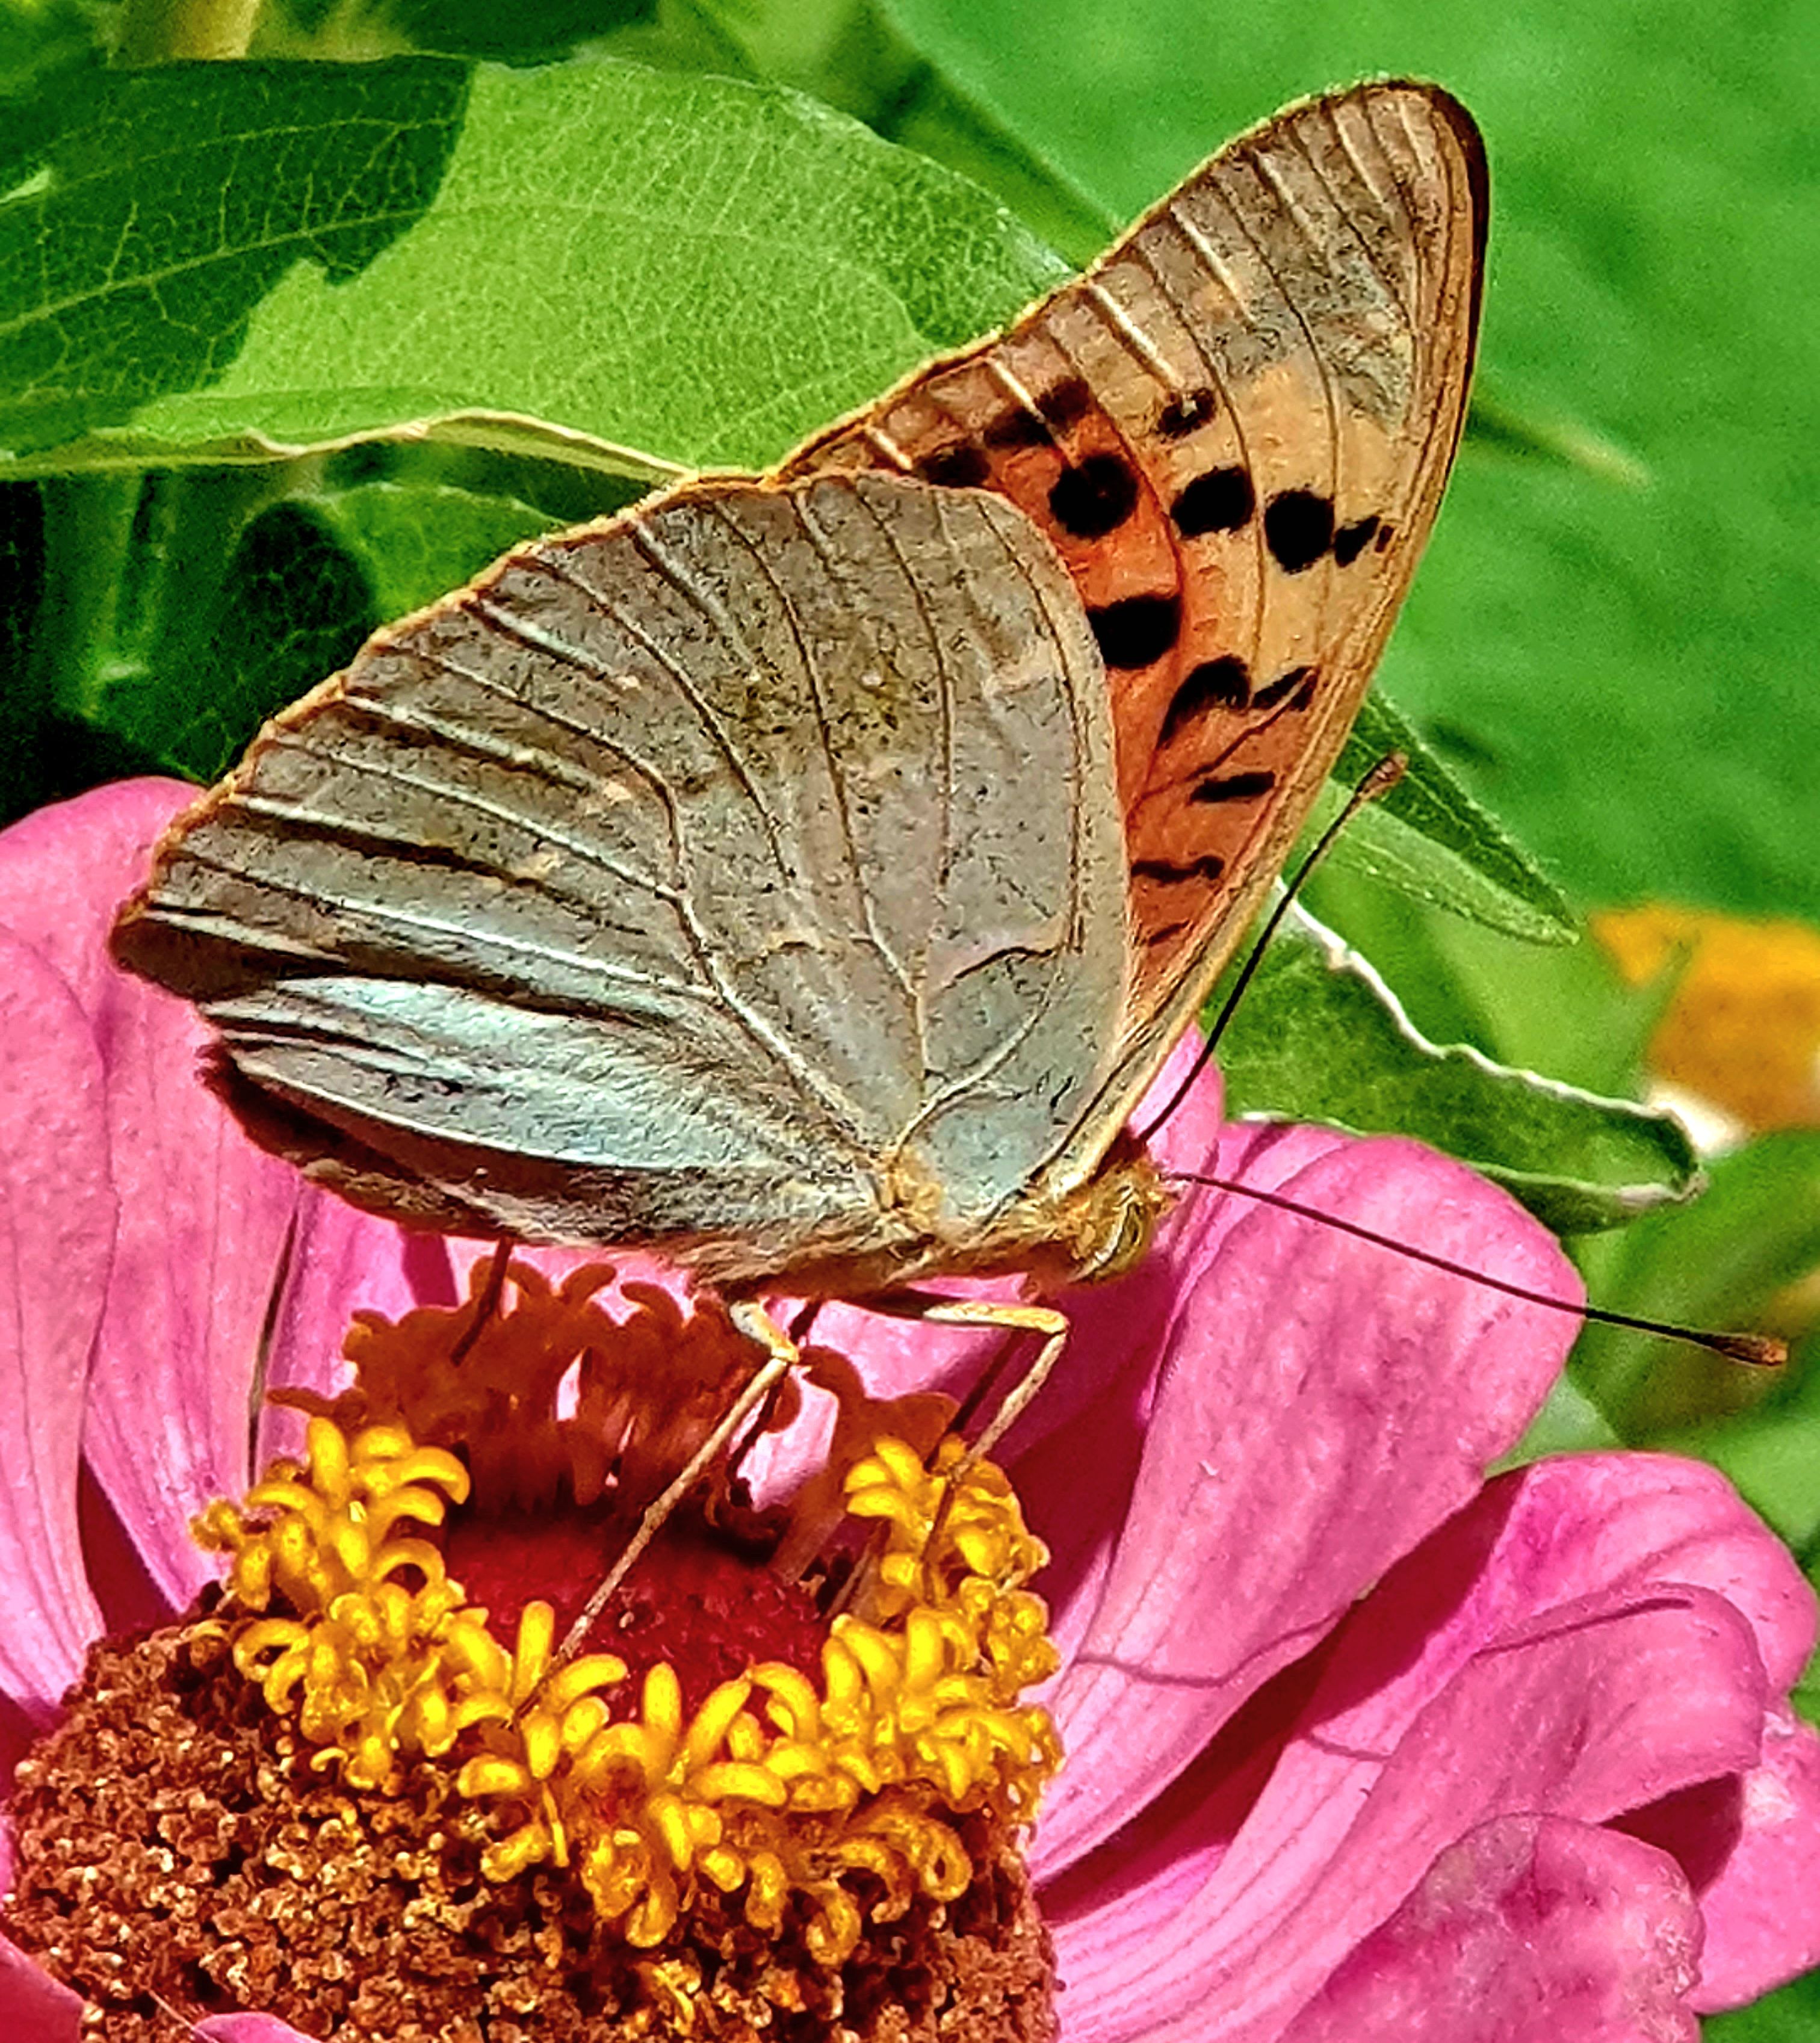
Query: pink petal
[
  {"x": 1584, "y": 1712},
  {"x": 34, "y": 2008},
  {"x": 203, "y": 1219},
  {"x": 1476, "y": 1608},
  {"x": 1750, "y": 1843},
  {"x": 19, "y": 1732},
  {"x": 130, "y": 1600},
  {"x": 1762, "y": 1905},
  {"x": 341, "y": 1261},
  {"x": 203, "y": 1214},
  {"x": 65, "y": 870},
  {"x": 1530, "y": 1925},
  {"x": 1561, "y": 1535},
  {"x": 1324, "y": 1403},
  {"x": 207, "y": 1219},
  {"x": 56, "y": 1233},
  {"x": 1604, "y": 1520},
  {"x": 1196, "y": 1119},
  {"x": 1074, "y": 1456}
]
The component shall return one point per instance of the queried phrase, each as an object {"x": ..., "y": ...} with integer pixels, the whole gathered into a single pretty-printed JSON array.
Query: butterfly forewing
[
  {"x": 677, "y": 882},
  {"x": 1235, "y": 429}
]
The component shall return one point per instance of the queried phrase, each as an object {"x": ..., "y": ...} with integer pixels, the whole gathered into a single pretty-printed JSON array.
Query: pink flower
[{"x": 1360, "y": 1745}]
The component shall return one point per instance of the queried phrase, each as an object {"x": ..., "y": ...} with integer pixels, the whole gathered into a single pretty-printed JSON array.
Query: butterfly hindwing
[
  {"x": 677, "y": 882},
  {"x": 1235, "y": 429}
]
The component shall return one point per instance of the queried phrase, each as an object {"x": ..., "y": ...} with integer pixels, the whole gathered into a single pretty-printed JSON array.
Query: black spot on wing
[
  {"x": 1280, "y": 689},
  {"x": 1171, "y": 874},
  {"x": 1298, "y": 528},
  {"x": 1351, "y": 540},
  {"x": 959, "y": 466},
  {"x": 1233, "y": 787},
  {"x": 1017, "y": 428},
  {"x": 1091, "y": 498},
  {"x": 1385, "y": 534},
  {"x": 1163, "y": 936},
  {"x": 1221, "y": 684},
  {"x": 1221, "y": 500},
  {"x": 1183, "y": 413},
  {"x": 1137, "y": 629},
  {"x": 1065, "y": 402}
]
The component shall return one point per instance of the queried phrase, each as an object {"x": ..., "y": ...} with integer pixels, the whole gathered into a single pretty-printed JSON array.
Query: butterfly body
[{"x": 805, "y": 876}]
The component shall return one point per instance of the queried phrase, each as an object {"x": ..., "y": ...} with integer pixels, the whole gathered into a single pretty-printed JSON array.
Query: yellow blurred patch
[{"x": 1743, "y": 1029}]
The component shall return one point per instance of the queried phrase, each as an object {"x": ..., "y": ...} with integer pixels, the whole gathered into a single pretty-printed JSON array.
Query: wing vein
[
  {"x": 1329, "y": 399},
  {"x": 617, "y": 616},
  {"x": 475, "y": 804},
  {"x": 466, "y": 932},
  {"x": 838, "y": 575}
]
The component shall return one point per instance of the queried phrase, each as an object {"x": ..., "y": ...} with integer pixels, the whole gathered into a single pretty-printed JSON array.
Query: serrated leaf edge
[{"x": 1630, "y": 1201}]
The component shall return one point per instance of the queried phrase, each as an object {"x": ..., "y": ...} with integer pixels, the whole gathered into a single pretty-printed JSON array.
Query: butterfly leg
[
  {"x": 1008, "y": 1318},
  {"x": 1043, "y": 1320},
  {"x": 781, "y": 1356}
]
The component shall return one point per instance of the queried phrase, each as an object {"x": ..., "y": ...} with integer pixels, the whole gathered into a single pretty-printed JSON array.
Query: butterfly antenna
[
  {"x": 1379, "y": 780},
  {"x": 171, "y": 2013},
  {"x": 1759, "y": 1351}
]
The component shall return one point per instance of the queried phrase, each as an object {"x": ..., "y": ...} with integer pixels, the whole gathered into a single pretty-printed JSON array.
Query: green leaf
[
  {"x": 1774, "y": 1457},
  {"x": 850, "y": 54},
  {"x": 38, "y": 37},
  {"x": 417, "y": 543},
  {"x": 1565, "y": 1011},
  {"x": 1319, "y": 1037},
  {"x": 637, "y": 271},
  {"x": 1718, "y": 1264},
  {"x": 152, "y": 211},
  {"x": 1568, "y": 1424},
  {"x": 185, "y": 606},
  {"x": 191, "y": 604},
  {"x": 507, "y": 273},
  {"x": 1428, "y": 839},
  {"x": 349, "y": 250},
  {"x": 24, "y": 712},
  {"x": 1792, "y": 2015},
  {"x": 533, "y": 32},
  {"x": 1499, "y": 420}
]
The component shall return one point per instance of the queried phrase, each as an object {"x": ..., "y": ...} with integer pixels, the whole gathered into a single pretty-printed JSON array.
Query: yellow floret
[
  {"x": 833, "y": 1786},
  {"x": 777, "y": 1785}
]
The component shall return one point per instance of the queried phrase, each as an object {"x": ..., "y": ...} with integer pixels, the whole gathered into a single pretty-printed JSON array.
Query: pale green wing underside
[{"x": 746, "y": 873}]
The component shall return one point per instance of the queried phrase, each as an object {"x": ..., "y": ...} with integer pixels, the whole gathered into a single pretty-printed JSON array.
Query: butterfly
[{"x": 804, "y": 875}]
